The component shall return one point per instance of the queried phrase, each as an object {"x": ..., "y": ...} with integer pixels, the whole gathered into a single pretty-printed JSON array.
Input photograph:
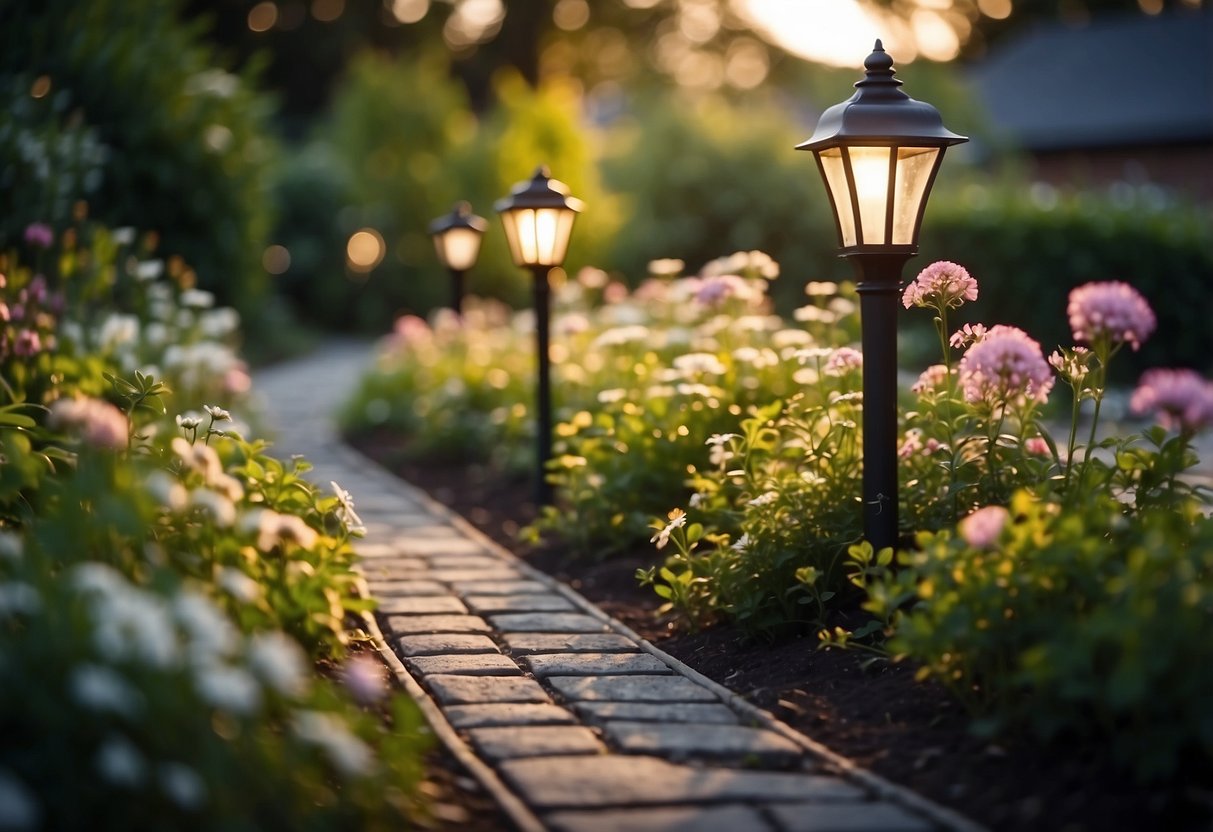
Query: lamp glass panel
[
  {"x": 458, "y": 248},
  {"x": 914, "y": 166},
  {"x": 836, "y": 181},
  {"x": 870, "y": 166},
  {"x": 564, "y": 231},
  {"x": 509, "y": 221}
]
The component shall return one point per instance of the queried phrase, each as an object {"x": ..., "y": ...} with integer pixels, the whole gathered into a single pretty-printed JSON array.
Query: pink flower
[
  {"x": 97, "y": 422},
  {"x": 1036, "y": 445},
  {"x": 1181, "y": 398},
  {"x": 715, "y": 290},
  {"x": 364, "y": 679},
  {"x": 967, "y": 335},
  {"x": 411, "y": 329},
  {"x": 1111, "y": 309},
  {"x": 1007, "y": 366},
  {"x": 39, "y": 235},
  {"x": 932, "y": 379},
  {"x": 1072, "y": 364},
  {"x": 27, "y": 343},
  {"x": 911, "y": 444},
  {"x": 941, "y": 284},
  {"x": 615, "y": 292},
  {"x": 982, "y": 528},
  {"x": 842, "y": 361}
]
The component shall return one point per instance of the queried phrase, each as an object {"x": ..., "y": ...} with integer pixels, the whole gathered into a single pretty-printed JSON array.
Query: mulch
[{"x": 874, "y": 713}]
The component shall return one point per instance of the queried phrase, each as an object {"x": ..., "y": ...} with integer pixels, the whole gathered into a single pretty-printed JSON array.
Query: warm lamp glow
[
  {"x": 879, "y": 223},
  {"x": 457, "y": 237},
  {"x": 458, "y": 248},
  {"x": 365, "y": 250},
  {"x": 538, "y": 220}
]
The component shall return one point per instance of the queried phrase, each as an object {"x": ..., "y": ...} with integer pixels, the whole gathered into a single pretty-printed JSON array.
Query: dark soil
[{"x": 912, "y": 733}]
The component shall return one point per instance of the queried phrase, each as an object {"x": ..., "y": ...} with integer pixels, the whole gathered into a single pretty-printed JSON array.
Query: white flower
[
  {"x": 210, "y": 632},
  {"x": 201, "y": 458},
  {"x": 189, "y": 421},
  {"x": 764, "y": 499},
  {"x": 124, "y": 236},
  {"x": 102, "y": 689},
  {"x": 166, "y": 490},
  {"x": 742, "y": 544},
  {"x": 697, "y": 499},
  {"x": 197, "y": 299},
  {"x": 182, "y": 785},
  {"x": 613, "y": 395},
  {"x": 620, "y": 335},
  {"x": 216, "y": 506},
  {"x": 279, "y": 662},
  {"x": 149, "y": 269},
  {"x": 345, "y": 513},
  {"x": 816, "y": 288},
  {"x": 219, "y": 323},
  {"x": 239, "y": 585},
  {"x": 119, "y": 762},
  {"x": 274, "y": 528},
  {"x": 348, "y": 754},
  {"x": 229, "y": 688},
  {"x": 19, "y": 598},
  {"x": 131, "y": 624},
  {"x": 117, "y": 330},
  {"x": 217, "y": 414},
  {"x": 814, "y": 314},
  {"x": 699, "y": 363},
  {"x": 677, "y": 519},
  {"x": 19, "y": 809}
]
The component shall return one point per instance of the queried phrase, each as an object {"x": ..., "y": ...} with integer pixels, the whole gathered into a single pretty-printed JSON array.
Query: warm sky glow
[{"x": 841, "y": 32}]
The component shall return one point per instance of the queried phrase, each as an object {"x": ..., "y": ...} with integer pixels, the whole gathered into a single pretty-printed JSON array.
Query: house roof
[{"x": 1121, "y": 81}]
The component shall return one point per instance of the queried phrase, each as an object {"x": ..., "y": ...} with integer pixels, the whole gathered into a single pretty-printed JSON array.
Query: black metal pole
[
  {"x": 457, "y": 291},
  {"x": 879, "y": 278},
  {"x": 543, "y": 415}
]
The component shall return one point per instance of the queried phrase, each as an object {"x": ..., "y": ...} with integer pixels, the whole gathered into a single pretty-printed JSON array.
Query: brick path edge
[
  {"x": 519, "y": 813},
  {"x": 523, "y": 817}
]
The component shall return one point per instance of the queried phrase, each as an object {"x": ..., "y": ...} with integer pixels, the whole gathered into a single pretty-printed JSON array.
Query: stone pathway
[{"x": 568, "y": 718}]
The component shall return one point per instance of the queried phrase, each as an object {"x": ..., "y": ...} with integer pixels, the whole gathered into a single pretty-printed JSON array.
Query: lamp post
[
  {"x": 538, "y": 219},
  {"x": 457, "y": 241},
  {"x": 878, "y": 153}
]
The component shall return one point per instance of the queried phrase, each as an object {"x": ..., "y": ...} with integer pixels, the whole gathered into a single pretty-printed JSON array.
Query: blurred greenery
[{"x": 185, "y": 143}]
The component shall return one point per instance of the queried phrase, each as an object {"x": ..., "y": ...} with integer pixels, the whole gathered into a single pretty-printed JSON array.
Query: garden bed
[{"x": 912, "y": 733}]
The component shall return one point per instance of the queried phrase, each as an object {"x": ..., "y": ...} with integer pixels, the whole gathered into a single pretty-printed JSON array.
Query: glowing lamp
[
  {"x": 538, "y": 220},
  {"x": 457, "y": 242},
  {"x": 878, "y": 153}
]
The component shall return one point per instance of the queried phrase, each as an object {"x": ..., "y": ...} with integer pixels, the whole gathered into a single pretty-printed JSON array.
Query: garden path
[{"x": 568, "y": 718}]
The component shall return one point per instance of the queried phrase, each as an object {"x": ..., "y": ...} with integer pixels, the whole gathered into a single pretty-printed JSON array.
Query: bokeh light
[
  {"x": 365, "y": 250},
  {"x": 326, "y": 11},
  {"x": 263, "y": 16},
  {"x": 571, "y": 15},
  {"x": 409, "y": 11},
  {"x": 276, "y": 259}
]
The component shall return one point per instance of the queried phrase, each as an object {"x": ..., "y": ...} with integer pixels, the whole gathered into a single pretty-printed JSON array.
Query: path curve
[{"x": 567, "y": 717}]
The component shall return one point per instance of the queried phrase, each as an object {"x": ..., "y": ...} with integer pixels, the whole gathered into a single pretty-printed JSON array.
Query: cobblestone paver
[{"x": 569, "y": 719}]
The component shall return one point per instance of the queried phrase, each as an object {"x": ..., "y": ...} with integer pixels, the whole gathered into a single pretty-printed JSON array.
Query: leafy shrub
[
  {"x": 170, "y": 593},
  {"x": 1076, "y": 624},
  {"x": 401, "y": 146},
  {"x": 185, "y": 143},
  {"x": 1032, "y": 246}
]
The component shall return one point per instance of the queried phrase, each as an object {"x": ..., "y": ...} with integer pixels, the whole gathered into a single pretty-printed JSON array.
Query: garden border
[{"x": 512, "y": 804}]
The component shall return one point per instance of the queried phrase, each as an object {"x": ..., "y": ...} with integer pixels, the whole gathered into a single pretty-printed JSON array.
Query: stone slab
[
  {"x": 847, "y": 817},
  {"x": 588, "y": 782},
  {"x": 547, "y": 622},
  {"x": 594, "y": 664},
  {"x": 421, "y": 605},
  {"x": 444, "y": 561},
  {"x": 477, "y": 664},
  {"x": 412, "y": 624},
  {"x": 432, "y": 545},
  {"x": 701, "y": 713},
  {"x": 516, "y": 741},
  {"x": 531, "y": 602},
  {"x": 390, "y": 569},
  {"x": 523, "y": 643},
  {"x": 496, "y": 573},
  {"x": 444, "y": 644},
  {"x": 507, "y": 713},
  {"x": 375, "y": 550},
  {"x": 515, "y": 587},
  {"x": 630, "y": 689},
  {"x": 674, "y": 819},
  {"x": 475, "y": 690},
  {"x": 753, "y": 746},
  {"x": 391, "y": 589}
]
